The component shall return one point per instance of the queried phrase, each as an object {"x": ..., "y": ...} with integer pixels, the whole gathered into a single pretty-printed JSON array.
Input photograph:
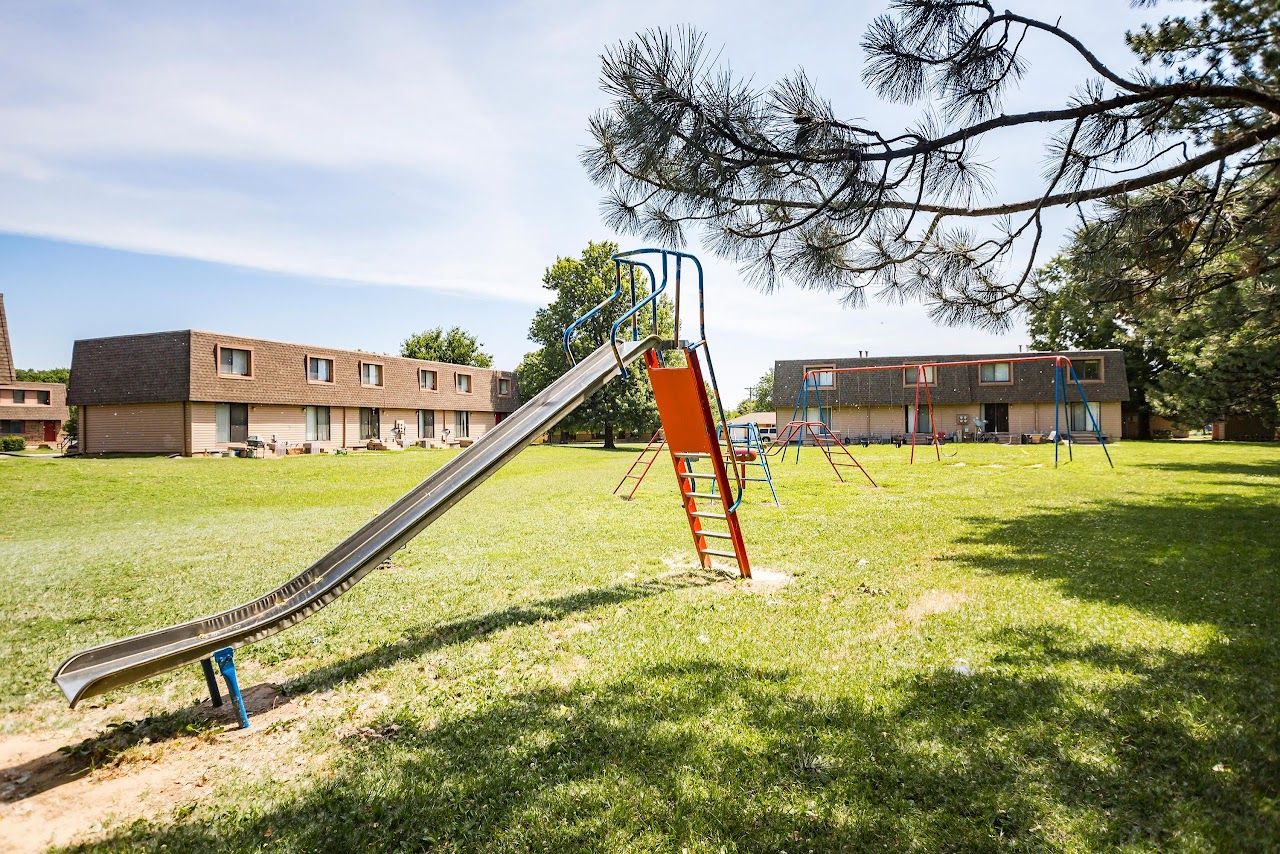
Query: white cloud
[{"x": 432, "y": 145}]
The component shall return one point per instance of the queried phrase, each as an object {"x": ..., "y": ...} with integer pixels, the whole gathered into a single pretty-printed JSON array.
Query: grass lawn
[{"x": 984, "y": 653}]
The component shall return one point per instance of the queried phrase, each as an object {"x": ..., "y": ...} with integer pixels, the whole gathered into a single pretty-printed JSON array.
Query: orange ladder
[
  {"x": 641, "y": 465},
  {"x": 692, "y": 436}
]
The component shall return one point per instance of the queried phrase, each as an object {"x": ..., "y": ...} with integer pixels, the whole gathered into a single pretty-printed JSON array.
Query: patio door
[
  {"x": 238, "y": 422},
  {"x": 997, "y": 417},
  {"x": 917, "y": 419}
]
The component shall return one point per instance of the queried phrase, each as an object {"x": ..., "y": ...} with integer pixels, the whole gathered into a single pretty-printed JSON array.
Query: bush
[{"x": 12, "y": 443}]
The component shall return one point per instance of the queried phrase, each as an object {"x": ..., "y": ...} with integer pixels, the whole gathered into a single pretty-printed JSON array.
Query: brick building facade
[
  {"x": 191, "y": 392},
  {"x": 34, "y": 411}
]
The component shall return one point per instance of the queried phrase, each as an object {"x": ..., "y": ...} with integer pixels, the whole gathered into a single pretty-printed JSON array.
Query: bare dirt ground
[{"x": 63, "y": 786}]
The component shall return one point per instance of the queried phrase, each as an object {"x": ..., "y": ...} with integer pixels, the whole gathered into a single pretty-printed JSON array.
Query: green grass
[{"x": 978, "y": 656}]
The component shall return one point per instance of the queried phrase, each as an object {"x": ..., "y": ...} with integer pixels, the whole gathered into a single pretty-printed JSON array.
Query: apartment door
[
  {"x": 51, "y": 431},
  {"x": 917, "y": 419},
  {"x": 997, "y": 417},
  {"x": 238, "y": 422}
]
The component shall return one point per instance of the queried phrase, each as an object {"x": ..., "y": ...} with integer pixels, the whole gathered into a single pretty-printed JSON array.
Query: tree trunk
[{"x": 608, "y": 435}]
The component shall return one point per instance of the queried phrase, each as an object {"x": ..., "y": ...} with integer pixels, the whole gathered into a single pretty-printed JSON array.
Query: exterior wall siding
[
  {"x": 147, "y": 428},
  {"x": 852, "y": 422}
]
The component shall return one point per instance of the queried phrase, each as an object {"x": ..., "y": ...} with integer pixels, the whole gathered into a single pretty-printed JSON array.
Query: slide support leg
[
  {"x": 215, "y": 696},
  {"x": 225, "y": 659}
]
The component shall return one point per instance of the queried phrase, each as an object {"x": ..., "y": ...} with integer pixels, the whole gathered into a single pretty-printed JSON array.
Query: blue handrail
[
  {"x": 573, "y": 327},
  {"x": 631, "y": 313}
]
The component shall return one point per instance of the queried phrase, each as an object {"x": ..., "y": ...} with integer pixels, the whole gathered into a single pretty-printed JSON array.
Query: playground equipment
[
  {"x": 682, "y": 403},
  {"x": 744, "y": 451},
  {"x": 838, "y": 456},
  {"x": 748, "y": 452},
  {"x": 641, "y": 464},
  {"x": 689, "y": 423},
  {"x": 795, "y": 431}
]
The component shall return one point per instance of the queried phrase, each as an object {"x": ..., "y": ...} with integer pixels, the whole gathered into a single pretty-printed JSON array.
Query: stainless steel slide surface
[{"x": 101, "y": 668}]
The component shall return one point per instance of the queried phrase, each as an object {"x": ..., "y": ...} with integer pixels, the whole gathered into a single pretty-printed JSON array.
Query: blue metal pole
[
  {"x": 1097, "y": 428},
  {"x": 225, "y": 659}
]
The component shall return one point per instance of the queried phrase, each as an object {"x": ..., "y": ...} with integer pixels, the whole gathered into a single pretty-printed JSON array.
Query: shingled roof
[
  {"x": 7, "y": 372},
  {"x": 1032, "y": 381}
]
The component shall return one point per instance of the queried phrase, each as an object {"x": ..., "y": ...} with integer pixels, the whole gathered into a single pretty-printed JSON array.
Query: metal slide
[{"x": 94, "y": 671}]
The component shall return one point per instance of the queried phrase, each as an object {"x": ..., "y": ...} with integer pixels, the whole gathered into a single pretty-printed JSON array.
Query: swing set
[{"x": 801, "y": 429}]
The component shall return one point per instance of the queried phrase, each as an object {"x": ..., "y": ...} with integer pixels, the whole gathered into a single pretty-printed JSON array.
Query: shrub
[{"x": 12, "y": 443}]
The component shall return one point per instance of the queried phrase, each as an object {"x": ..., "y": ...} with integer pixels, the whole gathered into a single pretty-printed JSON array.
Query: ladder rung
[
  {"x": 686, "y": 455},
  {"x": 719, "y": 535},
  {"x": 701, "y": 495},
  {"x": 703, "y": 475},
  {"x": 701, "y": 515},
  {"x": 718, "y": 553}
]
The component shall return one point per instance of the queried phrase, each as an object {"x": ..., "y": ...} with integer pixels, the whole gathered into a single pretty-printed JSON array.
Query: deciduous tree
[
  {"x": 455, "y": 346},
  {"x": 578, "y": 285}
]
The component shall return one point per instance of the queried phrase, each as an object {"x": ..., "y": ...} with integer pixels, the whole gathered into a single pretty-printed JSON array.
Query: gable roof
[{"x": 7, "y": 372}]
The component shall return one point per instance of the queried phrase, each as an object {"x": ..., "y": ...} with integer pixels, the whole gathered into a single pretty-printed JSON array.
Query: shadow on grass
[
  {"x": 1207, "y": 467},
  {"x": 419, "y": 642},
  {"x": 1056, "y": 743},
  {"x": 1214, "y": 559},
  {"x": 702, "y": 755}
]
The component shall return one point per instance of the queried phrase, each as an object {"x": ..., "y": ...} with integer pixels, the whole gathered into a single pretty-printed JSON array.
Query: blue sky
[{"x": 347, "y": 174}]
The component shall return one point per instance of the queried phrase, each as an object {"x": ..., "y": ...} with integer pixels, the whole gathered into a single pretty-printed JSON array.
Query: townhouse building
[
  {"x": 1005, "y": 396},
  {"x": 34, "y": 411},
  {"x": 193, "y": 392}
]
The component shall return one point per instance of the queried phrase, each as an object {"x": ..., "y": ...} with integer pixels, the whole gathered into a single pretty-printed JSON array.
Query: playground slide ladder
[
  {"x": 641, "y": 464},
  {"x": 693, "y": 438}
]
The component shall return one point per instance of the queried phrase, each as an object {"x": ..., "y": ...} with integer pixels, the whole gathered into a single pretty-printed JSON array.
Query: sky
[{"x": 348, "y": 174}]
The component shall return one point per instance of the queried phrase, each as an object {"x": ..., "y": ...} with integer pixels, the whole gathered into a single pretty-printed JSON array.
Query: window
[
  {"x": 461, "y": 424},
  {"x": 370, "y": 374},
  {"x": 19, "y": 395},
  {"x": 12, "y": 428},
  {"x": 1078, "y": 419},
  {"x": 317, "y": 423},
  {"x": 319, "y": 370},
  {"x": 995, "y": 372},
  {"x": 234, "y": 362},
  {"x": 42, "y": 398},
  {"x": 504, "y": 386},
  {"x": 427, "y": 380},
  {"x": 370, "y": 428},
  {"x": 820, "y": 376},
  {"x": 426, "y": 424},
  {"x": 463, "y": 383},
  {"x": 910, "y": 375},
  {"x": 232, "y": 422},
  {"x": 1088, "y": 370}
]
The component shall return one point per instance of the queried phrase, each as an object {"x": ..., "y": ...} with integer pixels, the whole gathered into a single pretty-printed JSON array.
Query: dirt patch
[
  {"x": 925, "y": 605},
  {"x": 766, "y": 581},
  {"x": 59, "y": 788},
  {"x": 934, "y": 602}
]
